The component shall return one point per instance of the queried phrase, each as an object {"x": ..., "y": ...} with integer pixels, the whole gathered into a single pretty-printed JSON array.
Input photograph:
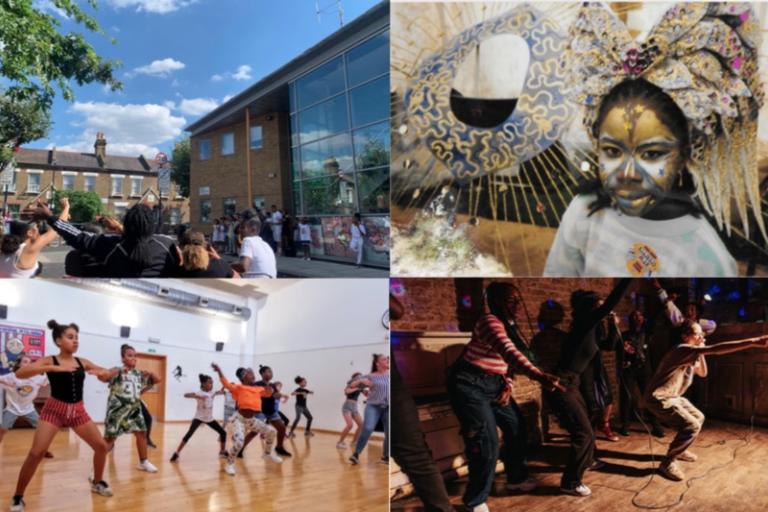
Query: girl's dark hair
[
  {"x": 138, "y": 225},
  {"x": 125, "y": 348},
  {"x": 375, "y": 359},
  {"x": 298, "y": 379},
  {"x": 10, "y": 244},
  {"x": 17, "y": 362},
  {"x": 495, "y": 294},
  {"x": 204, "y": 378},
  {"x": 240, "y": 373},
  {"x": 355, "y": 375},
  {"x": 686, "y": 328},
  {"x": 262, "y": 369},
  {"x": 583, "y": 301},
  {"x": 669, "y": 114},
  {"x": 57, "y": 329}
]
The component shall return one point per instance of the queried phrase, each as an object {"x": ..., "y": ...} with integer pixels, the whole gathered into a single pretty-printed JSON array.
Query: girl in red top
[{"x": 248, "y": 398}]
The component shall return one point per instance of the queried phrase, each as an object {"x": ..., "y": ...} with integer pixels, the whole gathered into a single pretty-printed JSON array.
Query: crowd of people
[{"x": 251, "y": 409}]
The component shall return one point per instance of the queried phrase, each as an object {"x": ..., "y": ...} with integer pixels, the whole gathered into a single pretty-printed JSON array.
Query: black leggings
[
  {"x": 147, "y": 419},
  {"x": 213, "y": 424}
]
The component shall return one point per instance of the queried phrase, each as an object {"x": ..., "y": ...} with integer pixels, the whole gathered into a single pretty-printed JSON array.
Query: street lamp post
[{"x": 163, "y": 183}]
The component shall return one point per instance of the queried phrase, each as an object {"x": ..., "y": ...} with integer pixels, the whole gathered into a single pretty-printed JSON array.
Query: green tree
[
  {"x": 21, "y": 121},
  {"x": 83, "y": 206},
  {"x": 36, "y": 57},
  {"x": 181, "y": 164}
]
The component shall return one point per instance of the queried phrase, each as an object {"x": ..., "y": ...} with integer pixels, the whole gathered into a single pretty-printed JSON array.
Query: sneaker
[
  {"x": 309, "y": 433},
  {"x": 174, "y": 457},
  {"x": 687, "y": 456},
  {"x": 273, "y": 457},
  {"x": 240, "y": 454},
  {"x": 624, "y": 431},
  {"x": 17, "y": 504},
  {"x": 672, "y": 471},
  {"x": 151, "y": 444},
  {"x": 526, "y": 485},
  {"x": 354, "y": 460},
  {"x": 481, "y": 508},
  {"x": 229, "y": 469},
  {"x": 657, "y": 431},
  {"x": 597, "y": 465},
  {"x": 101, "y": 488},
  {"x": 282, "y": 451},
  {"x": 580, "y": 490},
  {"x": 222, "y": 454},
  {"x": 608, "y": 433},
  {"x": 384, "y": 460},
  {"x": 147, "y": 466},
  {"x": 341, "y": 445},
  {"x": 290, "y": 435},
  {"x": 48, "y": 455}
]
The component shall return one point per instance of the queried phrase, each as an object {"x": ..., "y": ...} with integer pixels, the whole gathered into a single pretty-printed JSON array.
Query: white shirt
[
  {"x": 204, "y": 410},
  {"x": 263, "y": 262},
  {"x": 611, "y": 244},
  {"x": 21, "y": 393},
  {"x": 276, "y": 218},
  {"x": 305, "y": 233},
  {"x": 9, "y": 265},
  {"x": 357, "y": 231}
]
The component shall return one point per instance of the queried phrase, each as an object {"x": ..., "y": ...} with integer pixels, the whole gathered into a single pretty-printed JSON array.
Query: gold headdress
[{"x": 704, "y": 56}]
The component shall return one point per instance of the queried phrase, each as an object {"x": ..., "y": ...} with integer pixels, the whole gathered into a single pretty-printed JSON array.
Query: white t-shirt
[
  {"x": 204, "y": 410},
  {"x": 21, "y": 393},
  {"x": 305, "y": 233},
  {"x": 276, "y": 218},
  {"x": 263, "y": 262},
  {"x": 357, "y": 232},
  {"x": 611, "y": 244}
]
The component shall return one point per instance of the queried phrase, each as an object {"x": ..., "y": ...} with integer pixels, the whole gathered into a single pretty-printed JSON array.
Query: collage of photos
[{"x": 221, "y": 222}]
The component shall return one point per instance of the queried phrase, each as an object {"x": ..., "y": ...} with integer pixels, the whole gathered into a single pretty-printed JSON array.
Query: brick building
[
  {"x": 120, "y": 181},
  {"x": 312, "y": 138}
]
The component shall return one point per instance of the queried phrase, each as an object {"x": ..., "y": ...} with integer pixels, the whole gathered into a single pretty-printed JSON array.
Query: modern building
[
  {"x": 120, "y": 181},
  {"x": 312, "y": 138}
]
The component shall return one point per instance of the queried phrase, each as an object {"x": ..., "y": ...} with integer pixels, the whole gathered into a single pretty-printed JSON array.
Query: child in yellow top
[{"x": 248, "y": 398}]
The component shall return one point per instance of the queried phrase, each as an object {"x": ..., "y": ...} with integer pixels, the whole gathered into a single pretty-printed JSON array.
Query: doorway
[{"x": 154, "y": 397}]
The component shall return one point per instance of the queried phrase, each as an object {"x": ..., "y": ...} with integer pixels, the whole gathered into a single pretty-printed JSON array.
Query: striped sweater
[{"x": 491, "y": 350}]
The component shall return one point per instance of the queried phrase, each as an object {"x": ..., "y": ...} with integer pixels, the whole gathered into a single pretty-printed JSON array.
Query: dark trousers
[
  {"x": 634, "y": 376},
  {"x": 410, "y": 450},
  {"x": 572, "y": 414},
  {"x": 302, "y": 409},
  {"x": 473, "y": 394},
  {"x": 213, "y": 424},
  {"x": 147, "y": 419}
]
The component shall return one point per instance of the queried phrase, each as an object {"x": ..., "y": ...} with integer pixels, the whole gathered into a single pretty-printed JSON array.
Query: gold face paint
[{"x": 639, "y": 156}]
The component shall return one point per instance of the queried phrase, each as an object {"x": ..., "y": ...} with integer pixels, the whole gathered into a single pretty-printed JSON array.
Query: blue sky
[{"x": 181, "y": 58}]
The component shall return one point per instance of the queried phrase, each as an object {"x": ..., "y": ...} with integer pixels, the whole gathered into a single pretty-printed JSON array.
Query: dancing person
[
  {"x": 136, "y": 252},
  {"x": 301, "y": 394},
  {"x": 246, "y": 419},
  {"x": 64, "y": 408},
  {"x": 634, "y": 368},
  {"x": 20, "y": 396},
  {"x": 480, "y": 394},
  {"x": 20, "y": 248},
  {"x": 357, "y": 234},
  {"x": 256, "y": 256},
  {"x": 124, "y": 415},
  {"x": 349, "y": 411},
  {"x": 594, "y": 386},
  {"x": 673, "y": 377},
  {"x": 270, "y": 411},
  {"x": 376, "y": 408},
  {"x": 578, "y": 350},
  {"x": 409, "y": 447},
  {"x": 203, "y": 415}
]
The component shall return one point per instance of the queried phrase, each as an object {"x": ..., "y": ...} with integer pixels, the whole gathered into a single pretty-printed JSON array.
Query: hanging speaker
[
  {"x": 3, "y": 311},
  {"x": 219, "y": 346},
  {"x": 125, "y": 331}
]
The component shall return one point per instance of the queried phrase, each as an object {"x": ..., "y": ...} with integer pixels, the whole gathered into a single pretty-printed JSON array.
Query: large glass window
[
  {"x": 230, "y": 206},
  {"x": 327, "y": 156},
  {"x": 256, "y": 140},
  {"x": 205, "y": 211},
  {"x": 227, "y": 143},
  {"x": 370, "y": 102},
  {"x": 135, "y": 187},
  {"x": 117, "y": 186},
  {"x": 372, "y": 146},
  {"x": 373, "y": 188},
  {"x": 33, "y": 183},
  {"x": 368, "y": 60},
  {"x": 204, "y": 148},
  {"x": 89, "y": 183},
  {"x": 325, "y": 119},
  {"x": 331, "y": 195},
  {"x": 321, "y": 83},
  {"x": 68, "y": 182}
]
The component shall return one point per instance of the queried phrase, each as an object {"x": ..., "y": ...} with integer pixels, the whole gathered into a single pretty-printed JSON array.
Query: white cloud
[
  {"x": 130, "y": 129},
  {"x": 227, "y": 98},
  {"x": 48, "y": 6},
  {"x": 243, "y": 72},
  {"x": 196, "y": 106},
  {"x": 156, "y": 6},
  {"x": 160, "y": 68}
]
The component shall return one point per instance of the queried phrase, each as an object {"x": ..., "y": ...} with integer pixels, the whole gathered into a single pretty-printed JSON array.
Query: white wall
[{"x": 184, "y": 336}]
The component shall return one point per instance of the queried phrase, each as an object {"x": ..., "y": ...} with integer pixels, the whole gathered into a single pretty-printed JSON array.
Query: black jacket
[{"x": 154, "y": 256}]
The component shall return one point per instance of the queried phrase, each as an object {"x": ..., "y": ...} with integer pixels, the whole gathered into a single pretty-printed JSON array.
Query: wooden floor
[
  {"x": 715, "y": 485},
  {"x": 317, "y": 477}
]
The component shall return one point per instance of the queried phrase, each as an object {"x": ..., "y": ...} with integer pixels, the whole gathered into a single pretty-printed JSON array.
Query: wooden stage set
[
  {"x": 715, "y": 484},
  {"x": 317, "y": 477}
]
